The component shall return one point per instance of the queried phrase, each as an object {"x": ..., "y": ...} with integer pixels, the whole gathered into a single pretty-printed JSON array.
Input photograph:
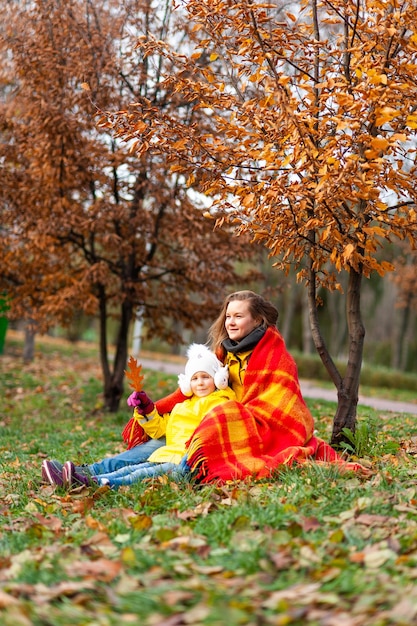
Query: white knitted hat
[{"x": 201, "y": 359}]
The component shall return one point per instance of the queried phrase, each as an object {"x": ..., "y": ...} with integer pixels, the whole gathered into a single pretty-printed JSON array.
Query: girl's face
[
  {"x": 202, "y": 384},
  {"x": 239, "y": 321}
]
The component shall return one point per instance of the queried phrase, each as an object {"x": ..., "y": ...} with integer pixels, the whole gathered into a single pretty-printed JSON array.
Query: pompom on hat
[{"x": 201, "y": 359}]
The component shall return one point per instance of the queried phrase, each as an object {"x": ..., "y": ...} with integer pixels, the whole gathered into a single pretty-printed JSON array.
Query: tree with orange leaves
[
  {"x": 310, "y": 141},
  {"x": 85, "y": 224}
]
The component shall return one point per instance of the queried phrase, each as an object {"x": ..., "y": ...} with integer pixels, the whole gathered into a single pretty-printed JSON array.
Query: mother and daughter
[{"x": 238, "y": 411}]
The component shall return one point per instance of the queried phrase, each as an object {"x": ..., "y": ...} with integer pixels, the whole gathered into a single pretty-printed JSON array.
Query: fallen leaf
[
  {"x": 185, "y": 542},
  {"x": 374, "y": 520},
  {"x": 101, "y": 569},
  {"x": 95, "y": 524},
  {"x": 51, "y": 522},
  {"x": 374, "y": 559},
  {"x": 140, "y": 522},
  {"x": 310, "y": 523},
  {"x": 201, "y": 509},
  {"x": 6, "y": 600},
  {"x": 282, "y": 559}
]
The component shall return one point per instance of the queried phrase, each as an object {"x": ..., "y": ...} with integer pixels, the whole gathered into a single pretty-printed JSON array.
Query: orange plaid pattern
[{"x": 271, "y": 426}]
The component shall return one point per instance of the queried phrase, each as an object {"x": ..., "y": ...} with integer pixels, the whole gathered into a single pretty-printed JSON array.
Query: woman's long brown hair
[{"x": 259, "y": 308}]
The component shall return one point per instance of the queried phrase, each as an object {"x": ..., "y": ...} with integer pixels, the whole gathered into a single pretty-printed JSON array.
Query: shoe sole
[
  {"x": 67, "y": 475},
  {"x": 48, "y": 477}
]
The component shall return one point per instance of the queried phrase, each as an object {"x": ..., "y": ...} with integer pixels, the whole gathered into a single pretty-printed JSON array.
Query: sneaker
[
  {"x": 72, "y": 478},
  {"x": 83, "y": 470},
  {"x": 52, "y": 473}
]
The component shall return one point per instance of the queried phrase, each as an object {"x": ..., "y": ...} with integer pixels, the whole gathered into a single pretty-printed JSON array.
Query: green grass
[{"x": 308, "y": 547}]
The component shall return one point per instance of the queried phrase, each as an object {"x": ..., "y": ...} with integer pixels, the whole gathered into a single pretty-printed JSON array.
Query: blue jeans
[
  {"x": 134, "y": 473},
  {"x": 134, "y": 456}
]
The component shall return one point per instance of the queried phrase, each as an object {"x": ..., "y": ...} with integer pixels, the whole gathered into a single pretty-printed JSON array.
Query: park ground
[{"x": 310, "y": 546}]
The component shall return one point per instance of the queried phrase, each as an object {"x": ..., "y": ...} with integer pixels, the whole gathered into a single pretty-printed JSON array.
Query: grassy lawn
[{"x": 309, "y": 547}]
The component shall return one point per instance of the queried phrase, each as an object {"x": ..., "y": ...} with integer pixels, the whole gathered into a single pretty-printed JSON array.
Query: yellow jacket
[
  {"x": 179, "y": 425},
  {"x": 237, "y": 368}
]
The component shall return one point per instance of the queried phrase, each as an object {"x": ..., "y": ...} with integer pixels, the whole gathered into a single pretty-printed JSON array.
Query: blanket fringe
[
  {"x": 318, "y": 452},
  {"x": 196, "y": 461},
  {"x": 133, "y": 434}
]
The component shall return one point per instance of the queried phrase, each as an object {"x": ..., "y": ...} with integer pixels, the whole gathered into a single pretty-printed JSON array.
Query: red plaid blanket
[{"x": 271, "y": 426}]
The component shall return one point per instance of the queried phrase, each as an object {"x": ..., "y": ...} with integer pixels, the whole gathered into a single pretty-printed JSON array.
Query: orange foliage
[
  {"x": 310, "y": 126},
  {"x": 309, "y": 142},
  {"x": 86, "y": 225},
  {"x": 134, "y": 374}
]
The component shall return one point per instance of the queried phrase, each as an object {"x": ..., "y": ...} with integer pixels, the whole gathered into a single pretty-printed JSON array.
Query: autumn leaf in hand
[{"x": 133, "y": 374}]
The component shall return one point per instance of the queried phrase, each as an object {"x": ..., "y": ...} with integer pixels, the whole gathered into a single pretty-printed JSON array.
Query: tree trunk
[
  {"x": 29, "y": 345},
  {"x": 121, "y": 357},
  {"x": 348, "y": 386},
  {"x": 348, "y": 390},
  {"x": 113, "y": 377},
  {"x": 137, "y": 334},
  {"x": 400, "y": 344}
]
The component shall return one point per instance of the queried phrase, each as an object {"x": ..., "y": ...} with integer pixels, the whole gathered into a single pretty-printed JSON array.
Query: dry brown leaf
[
  {"x": 91, "y": 522},
  {"x": 201, "y": 509},
  {"x": 374, "y": 520},
  {"x": 105, "y": 570},
  {"x": 134, "y": 374},
  {"x": 282, "y": 559},
  {"x": 6, "y": 600},
  {"x": 51, "y": 522},
  {"x": 141, "y": 522}
]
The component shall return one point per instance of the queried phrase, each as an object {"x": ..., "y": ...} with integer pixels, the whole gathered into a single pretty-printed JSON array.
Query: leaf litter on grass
[{"x": 308, "y": 547}]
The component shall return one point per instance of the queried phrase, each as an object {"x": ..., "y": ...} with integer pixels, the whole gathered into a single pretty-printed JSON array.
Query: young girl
[{"x": 205, "y": 384}]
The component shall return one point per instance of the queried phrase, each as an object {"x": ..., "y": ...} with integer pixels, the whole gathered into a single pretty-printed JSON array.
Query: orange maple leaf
[{"x": 133, "y": 374}]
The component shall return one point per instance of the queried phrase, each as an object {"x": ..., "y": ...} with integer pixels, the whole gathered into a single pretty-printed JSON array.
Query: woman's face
[{"x": 239, "y": 321}]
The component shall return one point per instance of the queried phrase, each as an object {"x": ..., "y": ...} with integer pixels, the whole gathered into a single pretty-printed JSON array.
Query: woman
[{"x": 268, "y": 424}]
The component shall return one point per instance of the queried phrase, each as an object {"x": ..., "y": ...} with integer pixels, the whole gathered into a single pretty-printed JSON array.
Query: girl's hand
[{"x": 141, "y": 400}]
